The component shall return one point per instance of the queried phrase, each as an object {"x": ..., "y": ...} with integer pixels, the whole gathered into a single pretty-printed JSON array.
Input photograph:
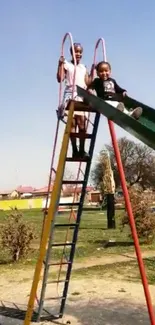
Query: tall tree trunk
[{"x": 111, "y": 211}]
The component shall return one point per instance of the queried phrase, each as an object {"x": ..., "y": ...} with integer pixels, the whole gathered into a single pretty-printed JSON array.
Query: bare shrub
[
  {"x": 17, "y": 235},
  {"x": 144, "y": 217}
]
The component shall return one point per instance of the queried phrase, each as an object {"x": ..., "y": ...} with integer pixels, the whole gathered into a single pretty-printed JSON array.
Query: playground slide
[{"x": 143, "y": 129}]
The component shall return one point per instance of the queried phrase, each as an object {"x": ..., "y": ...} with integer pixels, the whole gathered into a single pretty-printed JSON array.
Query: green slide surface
[{"x": 143, "y": 129}]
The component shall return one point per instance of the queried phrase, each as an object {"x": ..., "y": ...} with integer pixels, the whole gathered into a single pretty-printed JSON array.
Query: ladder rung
[
  {"x": 50, "y": 316},
  {"x": 78, "y": 135},
  {"x": 72, "y": 182},
  {"x": 69, "y": 204},
  {"x": 55, "y": 298},
  {"x": 57, "y": 281},
  {"x": 62, "y": 244},
  {"x": 71, "y": 159},
  {"x": 80, "y": 107},
  {"x": 66, "y": 224},
  {"x": 58, "y": 264}
]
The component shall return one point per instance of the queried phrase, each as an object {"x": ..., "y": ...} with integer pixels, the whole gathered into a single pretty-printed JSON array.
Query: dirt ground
[{"x": 90, "y": 301}]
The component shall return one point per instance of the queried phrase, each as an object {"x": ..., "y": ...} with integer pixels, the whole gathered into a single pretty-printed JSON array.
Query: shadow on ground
[
  {"x": 92, "y": 312},
  {"x": 107, "y": 243},
  {"x": 108, "y": 313}
]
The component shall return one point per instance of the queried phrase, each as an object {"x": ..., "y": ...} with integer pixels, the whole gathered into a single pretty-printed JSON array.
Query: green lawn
[
  {"x": 127, "y": 271},
  {"x": 92, "y": 240}
]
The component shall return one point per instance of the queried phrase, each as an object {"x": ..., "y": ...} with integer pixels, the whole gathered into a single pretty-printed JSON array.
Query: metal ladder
[{"x": 49, "y": 244}]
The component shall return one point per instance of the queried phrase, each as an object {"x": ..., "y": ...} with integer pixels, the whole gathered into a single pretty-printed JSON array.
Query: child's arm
[
  {"x": 119, "y": 90},
  {"x": 89, "y": 77},
  {"x": 61, "y": 70}
]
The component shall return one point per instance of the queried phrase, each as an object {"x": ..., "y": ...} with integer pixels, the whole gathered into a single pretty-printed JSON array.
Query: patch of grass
[
  {"x": 94, "y": 240},
  {"x": 128, "y": 271}
]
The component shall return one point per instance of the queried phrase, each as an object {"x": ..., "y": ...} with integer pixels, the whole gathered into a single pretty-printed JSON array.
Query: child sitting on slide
[
  {"x": 108, "y": 89},
  {"x": 65, "y": 73}
]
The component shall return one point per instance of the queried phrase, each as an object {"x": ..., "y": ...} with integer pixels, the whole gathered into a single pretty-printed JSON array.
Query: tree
[
  {"x": 107, "y": 186},
  {"x": 17, "y": 235},
  {"x": 138, "y": 162},
  {"x": 68, "y": 189}
]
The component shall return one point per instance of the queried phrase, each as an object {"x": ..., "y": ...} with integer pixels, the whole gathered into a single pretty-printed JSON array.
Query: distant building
[
  {"x": 22, "y": 192},
  {"x": 14, "y": 194},
  {"x": 4, "y": 195},
  {"x": 68, "y": 191},
  {"x": 95, "y": 197},
  {"x": 43, "y": 191},
  {"x": 91, "y": 194}
]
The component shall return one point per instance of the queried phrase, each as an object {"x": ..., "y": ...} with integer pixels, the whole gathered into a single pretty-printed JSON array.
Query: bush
[
  {"x": 144, "y": 218},
  {"x": 17, "y": 235}
]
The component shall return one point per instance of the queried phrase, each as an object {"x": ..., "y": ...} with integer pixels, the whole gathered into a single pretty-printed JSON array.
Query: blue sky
[{"x": 30, "y": 40}]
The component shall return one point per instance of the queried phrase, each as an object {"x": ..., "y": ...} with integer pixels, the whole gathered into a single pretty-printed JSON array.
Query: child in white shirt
[{"x": 67, "y": 74}]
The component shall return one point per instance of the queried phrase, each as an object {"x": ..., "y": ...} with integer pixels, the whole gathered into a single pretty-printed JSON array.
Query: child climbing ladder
[{"x": 65, "y": 73}]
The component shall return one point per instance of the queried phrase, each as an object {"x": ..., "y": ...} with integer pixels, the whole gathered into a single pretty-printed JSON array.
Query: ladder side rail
[
  {"x": 45, "y": 275},
  {"x": 75, "y": 234},
  {"x": 50, "y": 215},
  {"x": 67, "y": 35}
]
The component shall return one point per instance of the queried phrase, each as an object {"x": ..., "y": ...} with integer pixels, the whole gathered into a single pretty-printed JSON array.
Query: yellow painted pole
[{"x": 50, "y": 215}]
